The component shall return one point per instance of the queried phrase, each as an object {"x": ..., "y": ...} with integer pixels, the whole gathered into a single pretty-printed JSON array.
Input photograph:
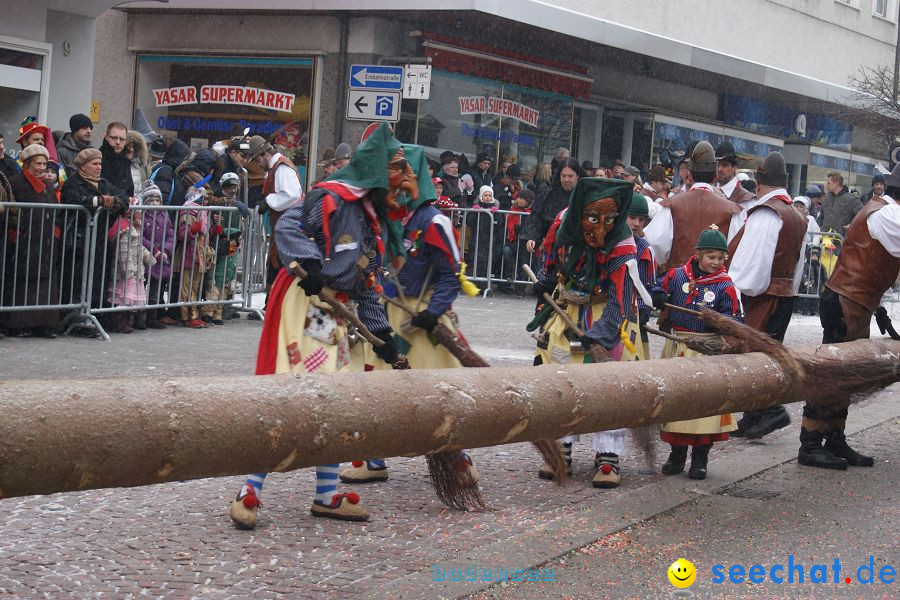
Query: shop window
[
  {"x": 21, "y": 79},
  {"x": 541, "y": 123},
  {"x": 205, "y": 99}
]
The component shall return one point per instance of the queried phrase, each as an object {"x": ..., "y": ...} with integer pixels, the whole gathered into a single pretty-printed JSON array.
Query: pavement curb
[{"x": 585, "y": 526}]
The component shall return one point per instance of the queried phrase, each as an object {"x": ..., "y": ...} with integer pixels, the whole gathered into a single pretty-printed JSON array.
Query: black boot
[
  {"x": 747, "y": 421},
  {"x": 770, "y": 419},
  {"x": 836, "y": 444},
  {"x": 675, "y": 463},
  {"x": 140, "y": 320},
  {"x": 812, "y": 454},
  {"x": 699, "y": 460}
]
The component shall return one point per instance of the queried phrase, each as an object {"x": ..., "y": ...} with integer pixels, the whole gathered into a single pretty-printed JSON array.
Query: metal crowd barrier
[
  {"x": 94, "y": 269},
  {"x": 492, "y": 257},
  {"x": 822, "y": 250},
  {"x": 44, "y": 265}
]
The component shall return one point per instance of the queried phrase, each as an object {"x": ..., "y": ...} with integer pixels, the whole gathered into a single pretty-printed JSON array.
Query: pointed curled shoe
[
  {"x": 362, "y": 472},
  {"x": 344, "y": 507},
  {"x": 244, "y": 510},
  {"x": 467, "y": 465}
]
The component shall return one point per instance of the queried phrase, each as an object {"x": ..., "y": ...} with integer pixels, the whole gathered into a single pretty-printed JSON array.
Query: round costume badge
[
  {"x": 686, "y": 287},
  {"x": 709, "y": 296}
]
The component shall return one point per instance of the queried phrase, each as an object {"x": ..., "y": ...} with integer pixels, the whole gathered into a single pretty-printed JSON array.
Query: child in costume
[
  {"x": 638, "y": 217},
  {"x": 702, "y": 282},
  {"x": 336, "y": 235},
  {"x": 430, "y": 277},
  {"x": 593, "y": 268}
]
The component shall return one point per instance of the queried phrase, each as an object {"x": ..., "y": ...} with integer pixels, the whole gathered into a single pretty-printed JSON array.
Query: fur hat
[
  {"x": 32, "y": 151},
  {"x": 86, "y": 156},
  {"x": 137, "y": 141}
]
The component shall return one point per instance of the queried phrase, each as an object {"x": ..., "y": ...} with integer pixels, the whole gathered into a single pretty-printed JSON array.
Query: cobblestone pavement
[{"x": 176, "y": 540}]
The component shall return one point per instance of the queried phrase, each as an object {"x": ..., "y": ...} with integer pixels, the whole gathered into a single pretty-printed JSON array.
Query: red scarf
[
  {"x": 719, "y": 276},
  {"x": 36, "y": 184}
]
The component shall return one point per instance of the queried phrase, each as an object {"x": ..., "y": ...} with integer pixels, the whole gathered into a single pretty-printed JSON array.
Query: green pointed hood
[
  {"x": 415, "y": 156},
  {"x": 368, "y": 168},
  {"x": 570, "y": 235}
]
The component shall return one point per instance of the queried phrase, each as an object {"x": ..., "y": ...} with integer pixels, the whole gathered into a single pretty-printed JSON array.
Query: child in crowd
[
  {"x": 480, "y": 225},
  {"x": 702, "y": 282},
  {"x": 127, "y": 282},
  {"x": 514, "y": 252},
  {"x": 225, "y": 238},
  {"x": 159, "y": 239},
  {"x": 638, "y": 217},
  {"x": 193, "y": 257}
]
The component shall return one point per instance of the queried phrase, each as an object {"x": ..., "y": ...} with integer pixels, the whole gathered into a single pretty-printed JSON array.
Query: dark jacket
[
  {"x": 67, "y": 149},
  {"x": 117, "y": 168},
  {"x": 9, "y": 167},
  {"x": 838, "y": 211},
  {"x": 78, "y": 191},
  {"x": 199, "y": 167},
  {"x": 163, "y": 174},
  {"x": 543, "y": 213}
]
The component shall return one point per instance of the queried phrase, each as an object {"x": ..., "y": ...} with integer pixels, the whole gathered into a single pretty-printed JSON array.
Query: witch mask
[
  {"x": 597, "y": 220},
  {"x": 401, "y": 178}
]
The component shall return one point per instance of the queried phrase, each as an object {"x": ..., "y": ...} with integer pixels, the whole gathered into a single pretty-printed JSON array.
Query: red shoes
[{"x": 195, "y": 324}]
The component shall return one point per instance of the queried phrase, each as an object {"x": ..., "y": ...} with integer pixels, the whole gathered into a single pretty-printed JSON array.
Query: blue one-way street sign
[{"x": 376, "y": 77}]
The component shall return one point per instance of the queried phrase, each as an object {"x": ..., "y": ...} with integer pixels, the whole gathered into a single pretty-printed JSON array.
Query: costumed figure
[
  {"x": 593, "y": 268},
  {"x": 867, "y": 266},
  {"x": 701, "y": 283},
  {"x": 766, "y": 265},
  {"x": 430, "y": 277},
  {"x": 335, "y": 235}
]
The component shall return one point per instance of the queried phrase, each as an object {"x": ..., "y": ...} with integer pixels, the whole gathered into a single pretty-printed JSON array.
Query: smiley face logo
[{"x": 682, "y": 573}]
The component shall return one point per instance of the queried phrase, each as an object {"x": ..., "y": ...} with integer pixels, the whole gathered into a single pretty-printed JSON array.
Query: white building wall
[{"x": 70, "y": 76}]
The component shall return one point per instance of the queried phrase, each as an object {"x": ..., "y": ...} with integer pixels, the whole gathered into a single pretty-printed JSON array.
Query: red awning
[{"x": 499, "y": 64}]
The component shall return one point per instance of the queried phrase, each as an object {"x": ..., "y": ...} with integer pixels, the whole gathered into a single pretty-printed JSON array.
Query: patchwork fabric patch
[
  {"x": 343, "y": 353},
  {"x": 293, "y": 352},
  {"x": 320, "y": 325},
  {"x": 314, "y": 361}
]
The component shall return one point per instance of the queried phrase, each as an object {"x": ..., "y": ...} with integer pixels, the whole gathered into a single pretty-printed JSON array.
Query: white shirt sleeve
[
  {"x": 287, "y": 189},
  {"x": 884, "y": 226},
  {"x": 659, "y": 234},
  {"x": 737, "y": 221},
  {"x": 751, "y": 265}
]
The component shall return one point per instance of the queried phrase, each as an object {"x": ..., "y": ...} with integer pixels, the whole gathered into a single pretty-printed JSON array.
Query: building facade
[{"x": 515, "y": 80}]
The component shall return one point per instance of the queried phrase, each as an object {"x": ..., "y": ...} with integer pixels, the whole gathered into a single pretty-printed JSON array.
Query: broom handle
[
  {"x": 663, "y": 334},
  {"x": 339, "y": 308},
  {"x": 688, "y": 311},
  {"x": 559, "y": 310}
]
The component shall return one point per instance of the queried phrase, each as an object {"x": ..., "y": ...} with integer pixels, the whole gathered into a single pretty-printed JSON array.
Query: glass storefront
[
  {"x": 810, "y": 165},
  {"x": 671, "y": 137},
  {"x": 209, "y": 98},
  {"x": 21, "y": 80},
  {"x": 471, "y": 115}
]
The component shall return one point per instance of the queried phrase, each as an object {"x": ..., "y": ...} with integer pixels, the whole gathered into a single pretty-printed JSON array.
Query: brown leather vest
[
  {"x": 268, "y": 188},
  {"x": 692, "y": 212},
  {"x": 787, "y": 249},
  {"x": 740, "y": 195},
  {"x": 864, "y": 270}
]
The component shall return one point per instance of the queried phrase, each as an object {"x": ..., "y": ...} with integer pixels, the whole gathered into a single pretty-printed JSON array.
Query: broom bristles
[
  {"x": 554, "y": 458},
  {"x": 452, "y": 481}
]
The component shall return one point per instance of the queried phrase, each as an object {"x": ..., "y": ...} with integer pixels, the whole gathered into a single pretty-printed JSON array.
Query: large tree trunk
[{"x": 65, "y": 435}]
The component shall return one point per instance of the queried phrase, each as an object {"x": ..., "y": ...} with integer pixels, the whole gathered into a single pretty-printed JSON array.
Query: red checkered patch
[
  {"x": 315, "y": 360},
  {"x": 293, "y": 352}
]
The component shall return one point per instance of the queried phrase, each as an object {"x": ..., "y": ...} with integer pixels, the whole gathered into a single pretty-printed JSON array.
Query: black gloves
[
  {"x": 313, "y": 283},
  {"x": 425, "y": 320},
  {"x": 659, "y": 300},
  {"x": 540, "y": 288},
  {"x": 884, "y": 323},
  {"x": 587, "y": 342},
  {"x": 388, "y": 352}
]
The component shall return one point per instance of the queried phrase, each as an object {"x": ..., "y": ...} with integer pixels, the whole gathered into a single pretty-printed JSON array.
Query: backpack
[{"x": 175, "y": 182}]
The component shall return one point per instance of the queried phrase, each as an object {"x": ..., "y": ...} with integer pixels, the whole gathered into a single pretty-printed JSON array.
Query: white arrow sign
[{"x": 385, "y": 77}]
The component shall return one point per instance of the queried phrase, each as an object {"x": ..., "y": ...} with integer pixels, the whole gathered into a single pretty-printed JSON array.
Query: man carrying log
[
  {"x": 867, "y": 267},
  {"x": 766, "y": 265},
  {"x": 593, "y": 269},
  {"x": 335, "y": 236},
  {"x": 429, "y": 280}
]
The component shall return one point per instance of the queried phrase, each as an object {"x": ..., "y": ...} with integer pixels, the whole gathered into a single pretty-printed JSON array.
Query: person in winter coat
[
  {"x": 159, "y": 238},
  {"x": 164, "y": 173},
  {"x": 116, "y": 165},
  {"x": 546, "y": 207},
  {"x": 486, "y": 231},
  {"x": 202, "y": 164},
  {"x": 482, "y": 175},
  {"x": 226, "y": 241},
  {"x": 541, "y": 182},
  {"x": 126, "y": 285},
  {"x": 81, "y": 130},
  {"x": 193, "y": 257},
  {"x": 839, "y": 206},
  {"x": 30, "y": 270},
  {"x": 88, "y": 189},
  {"x": 137, "y": 152}
]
